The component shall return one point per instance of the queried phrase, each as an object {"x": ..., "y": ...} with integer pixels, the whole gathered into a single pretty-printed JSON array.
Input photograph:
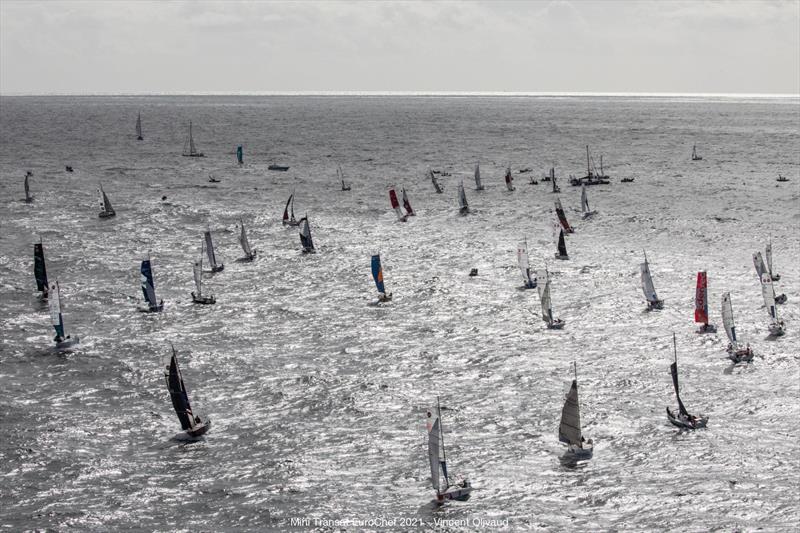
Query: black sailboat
[
  {"x": 682, "y": 418},
  {"x": 39, "y": 269},
  {"x": 28, "y": 197},
  {"x": 194, "y": 425}
]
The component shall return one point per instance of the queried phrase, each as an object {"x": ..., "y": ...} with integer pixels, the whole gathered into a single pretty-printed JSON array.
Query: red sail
[
  {"x": 701, "y": 299},
  {"x": 393, "y": 198}
]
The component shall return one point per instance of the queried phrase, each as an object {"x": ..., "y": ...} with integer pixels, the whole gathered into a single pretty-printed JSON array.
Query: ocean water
[{"x": 317, "y": 396}]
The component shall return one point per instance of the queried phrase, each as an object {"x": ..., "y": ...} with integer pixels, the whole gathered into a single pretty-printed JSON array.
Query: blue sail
[
  {"x": 239, "y": 154},
  {"x": 148, "y": 285},
  {"x": 377, "y": 273}
]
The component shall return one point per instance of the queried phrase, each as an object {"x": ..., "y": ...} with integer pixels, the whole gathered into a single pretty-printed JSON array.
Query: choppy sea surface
[{"x": 317, "y": 396}]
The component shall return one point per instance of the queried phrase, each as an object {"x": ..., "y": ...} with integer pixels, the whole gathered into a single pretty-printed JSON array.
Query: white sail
[
  {"x": 768, "y": 255},
  {"x": 198, "y": 279},
  {"x": 727, "y": 319},
  {"x": 434, "y": 450},
  {"x": 584, "y": 200},
  {"x": 544, "y": 295},
  {"x": 478, "y": 185},
  {"x": 647, "y": 283},
  {"x": 105, "y": 203},
  {"x": 758, "y": 262},
  {"x": 768, "y": 292},
  {"x": 522, "y": 260},
  {"x": 243, "y": 240}
]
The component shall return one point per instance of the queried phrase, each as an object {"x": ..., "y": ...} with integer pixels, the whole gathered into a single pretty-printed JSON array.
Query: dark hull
[
  {"x": 200, "y": 430},
  {"x": 216, "y": 269},
  {"x": 204, "y": 300},
  {"x": 677, "y": 421},
  {"x": 707, "y": 328},
  {"x": 562, "y": 257},
  {"x": 556, "y": 324},
  {"x": 106, "y": 215},
  {"x": 291, "y": 223},
  {"x": 68, "y": 343},
  {"x": 199, "y": 154},
  {"x": 156, "y": 309},
  {"x": 278, "y": 168},
  {"x": 658, "y": 304}
]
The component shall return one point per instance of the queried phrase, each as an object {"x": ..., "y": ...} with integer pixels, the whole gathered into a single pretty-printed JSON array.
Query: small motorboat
[
  {"x": 278, "y": 168},
  {"x": 782, "y": 179},
  {"x": 626, "y": 180}
]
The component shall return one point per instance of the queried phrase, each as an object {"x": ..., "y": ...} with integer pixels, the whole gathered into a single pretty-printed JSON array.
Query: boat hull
[
  {"x": 741, "y": 356},
  {"x": 457, "y": 493},
  {"x": 385, "y": 298},
  {"x": 576, "y": 454},
  {"x": 781, "y": 299},
  {"x": 216, "y": 269},
  {"x": 556, "y": 324},
  {"x": 199, "y": 154},
  {"x": 776, "y": 330},
  {"x": 106, "y": 215},
  {"x": 707, "y": 328},
  {"x": 204, "y": 300},
  {"x": 658, "y": 304},
  {"x": 291, "y": 223},
  {"x": 278, "y": 168},
  {"x": 156, "y": 309},
  {"x": 562, "y": 257},
  {"x": 249, "y": 258},
  {"x": 683, "y": 423},
  {"x": 68, "y": 343}
]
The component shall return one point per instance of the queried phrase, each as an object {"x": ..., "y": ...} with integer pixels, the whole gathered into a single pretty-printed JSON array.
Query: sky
[{"x": 574, "y": 46}]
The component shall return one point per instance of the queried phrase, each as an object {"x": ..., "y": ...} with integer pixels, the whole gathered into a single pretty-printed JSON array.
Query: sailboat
[
  {"x": 149, "y": 288},
  {"x": 649, "y": 289},
  {"x": 439, "y": 189},
  {"x": 139, "y": 136},
  {"x": 736, "y": 351},
  {"x": 197, "y": 296},
  {"x": 189, "y": 149},
  {"x": 445, "y": 489},
  {"x": 28, "y": 197},
  {"x": 768, "y": 254},
  {"x": 776, "y": 324},
  {"x": 528, "y": 277},
  {"x": 543, "y": 286},
  {"x": 682, "y": 418},
  {"x": 305, "y": 237},
  {"x": 340, "y": 173},
  {"x": 194, "y": 425},
  {"x": 762, "y": 268},
  {"x": 463, "y": 205},
  {"x": 701, "y": 304},
  {"x": 240, "y": 154},
  {"x": 585, "y": 203},
  {"x": 407, "y": 205},
  {"x": 562, "y": 217},
  {"x": 556, "y": 188},
  {"x": 695, "y": 157},
  {"x": 249, "y": 253},
  {"x": 396, "y": 205},
  {"x": 106, "y": 211},
  {"x": 287, "y": 219},
  {"x": 549, "y": 176},
  {"x": 592, "y": 177},
  {"x": 62, "y": 340},
  {"x": 39, "y": 269},
  {"x": 561, "y": 242},
  {"x": 478, "y": 184},
  {"x": 212, "y": 257},
  {"x": 569, "y": 429},
  {"x": 377, "y": 275},
  {"x": 509, "y": 179}
]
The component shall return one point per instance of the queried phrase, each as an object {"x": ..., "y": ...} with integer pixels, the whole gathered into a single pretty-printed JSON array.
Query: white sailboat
[
  {"x": 695, "y": 157},
  {"x": 197, "y": 296},
  {"x": 776, "y": 324},
  {"x": 212, "y": 256},
  {"x": 463, "y": 205},
  {"x": 340, "y": 174},
  {"x": 544, "y": 297},
  {"x": 653, "y": 302},
  {"x": 569, "y": 429},
  {"x": 396, "y": 205},
  {"x": 528, "y": 277},
  {"x": 770, "y": 266},
  {"x": 106, "y": 211},
  {"x": 737, "y": 350},
  {"x": 478, "y": 184},
  {"x": 761, "y": 268},
  {"x": 62, "y": 340},
  {"x": 249, "y": 253},
  {"x": 440, "y": 479},
  {"x": 585, "y": 203},
  {"x": 189, "y": 149}
]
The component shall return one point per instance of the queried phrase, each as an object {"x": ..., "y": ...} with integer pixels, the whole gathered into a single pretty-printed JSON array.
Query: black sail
[
  {"x": 177, "y": 390},
  {"x": 562, "y": 245},
  {"x": 39, "y": 269},
  {"x": 673, "y": 368}
]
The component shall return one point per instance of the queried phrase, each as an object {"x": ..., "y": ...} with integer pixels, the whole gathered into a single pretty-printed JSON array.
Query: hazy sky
[{"x": 540, "y": 46}]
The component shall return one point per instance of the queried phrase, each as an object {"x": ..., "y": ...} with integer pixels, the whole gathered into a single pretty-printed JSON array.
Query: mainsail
[
  {"x": 377, "y": 273},
  {"x": 768, "y": 254},
  {"x": 305, "y": 235},
  {"x": 647, "y": 282},
  {"x": 240, "y": 154},
  {"x": 562, "y": 218},
  {"x": 407, "y": 204},
  {"x": 436, "y": 453},
  {"x": 701, "y": 299},
  {"x": 105, "y": 205},
  {"x": 198, "y": 277},
  {"x": 569, "y": 430},
  {"x": 524, "y": 266},
  {"x": 435, "y": 182},
  {"x": 758, "y": 262},
  {"x": 544, "y": 296},
  {"x": 463, "y": 205},
  {"x": 139, "y": 136},
  {"x": 289, "y": 206},
  {"x": 39, "y": 268},
  {"x": 148, "y": 284},
  {"x": 584, "y": 201},
  {"x": 561, "y": 243},
  {"x": 509, "y": 179},
  {"x": 243, "y": 240},
  {"x": 28, "y": 197},
  {"x": 727, "y": 320},
  {"x": 54, "y": 303},
  {"x": 212, "y": 257},
  {"x": 396, "y": 205},
  {"x": 178, "y": 393},
  {"x": 768, "y": 291},
  {"x": 189, "y": 149},
  {"x": 673, "y": 368},
  {"x": 478, "y": 185}
]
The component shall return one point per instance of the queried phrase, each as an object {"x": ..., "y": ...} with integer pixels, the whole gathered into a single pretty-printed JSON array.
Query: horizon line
[{"x": 418, "y": 93}]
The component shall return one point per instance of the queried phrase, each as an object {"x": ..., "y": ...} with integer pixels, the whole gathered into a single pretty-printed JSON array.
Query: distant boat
[
  {"x": 478, "y": 184},
  {"x": 192, "y": 424},
  {"x": 377, "y": 275},
  {"x": 782, "y": 178},
  {"x": 562, "y": 217},
  {"x": 249, "y": 254},
  {"x": 240, "y": 154},
  {"x": 547, "y": 305},
  {"x": 68, "y": 168},
  {"x": 212, "y": 257},
  {"x": 463, "y": 205},
  {"x": 682, "y": 418},
  {"x": 695, "y": 157},
  {"x": 736, "y": 351},
  {"x": 407, "y": 205},
  {"x": 768, "y": 254},
  {"x": 445, "y": 490},
  {"x": 139, "y": 136},
  {"x": 524, "y": 170},
  {"x": 569, "y": 429},
  {"x": 197, "y": 296},
  {"x": 509, "y": 179},
  {"x": 149, "y": 288},
  {"x": 528, "y": 277},
  {"x": 439, "y": 189},
  {"x": 761, "y": 268},
  {"x": 189, "y": 149},
  {"x": 533, "y": 181},
  {"x": 106, "y": 211},
  {"x": 768, "y": 292},
  {"x": 592, "y": 177},
  {"x": 28, "y": 197},
  {"x": 561, "y": 243},
  {"x": 626, "y": 180},
  {"x": 287, "y": 219},
  {"x": 550, "y": 175},
  {"x": 701, "y": 304},
  {"x": 585, "y": 203},
  {"x": 396, "y": 206},
  {"x": 62, "y": 340},
  {"x": 305, "y": 236},
  {"x": 279, "y": 168},
  {"x": 212, "y": 179},
  {"x": 554, "y": 182},
  {"x": 340, "y": 173},
  {"x": 648, "y": 288},
  {"x": 40, "y": 269}
]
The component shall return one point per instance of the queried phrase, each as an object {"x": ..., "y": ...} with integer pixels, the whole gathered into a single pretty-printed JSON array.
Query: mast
[
  {"x": 588, "y": 170},
  {"x": 139, "y": 136}
]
